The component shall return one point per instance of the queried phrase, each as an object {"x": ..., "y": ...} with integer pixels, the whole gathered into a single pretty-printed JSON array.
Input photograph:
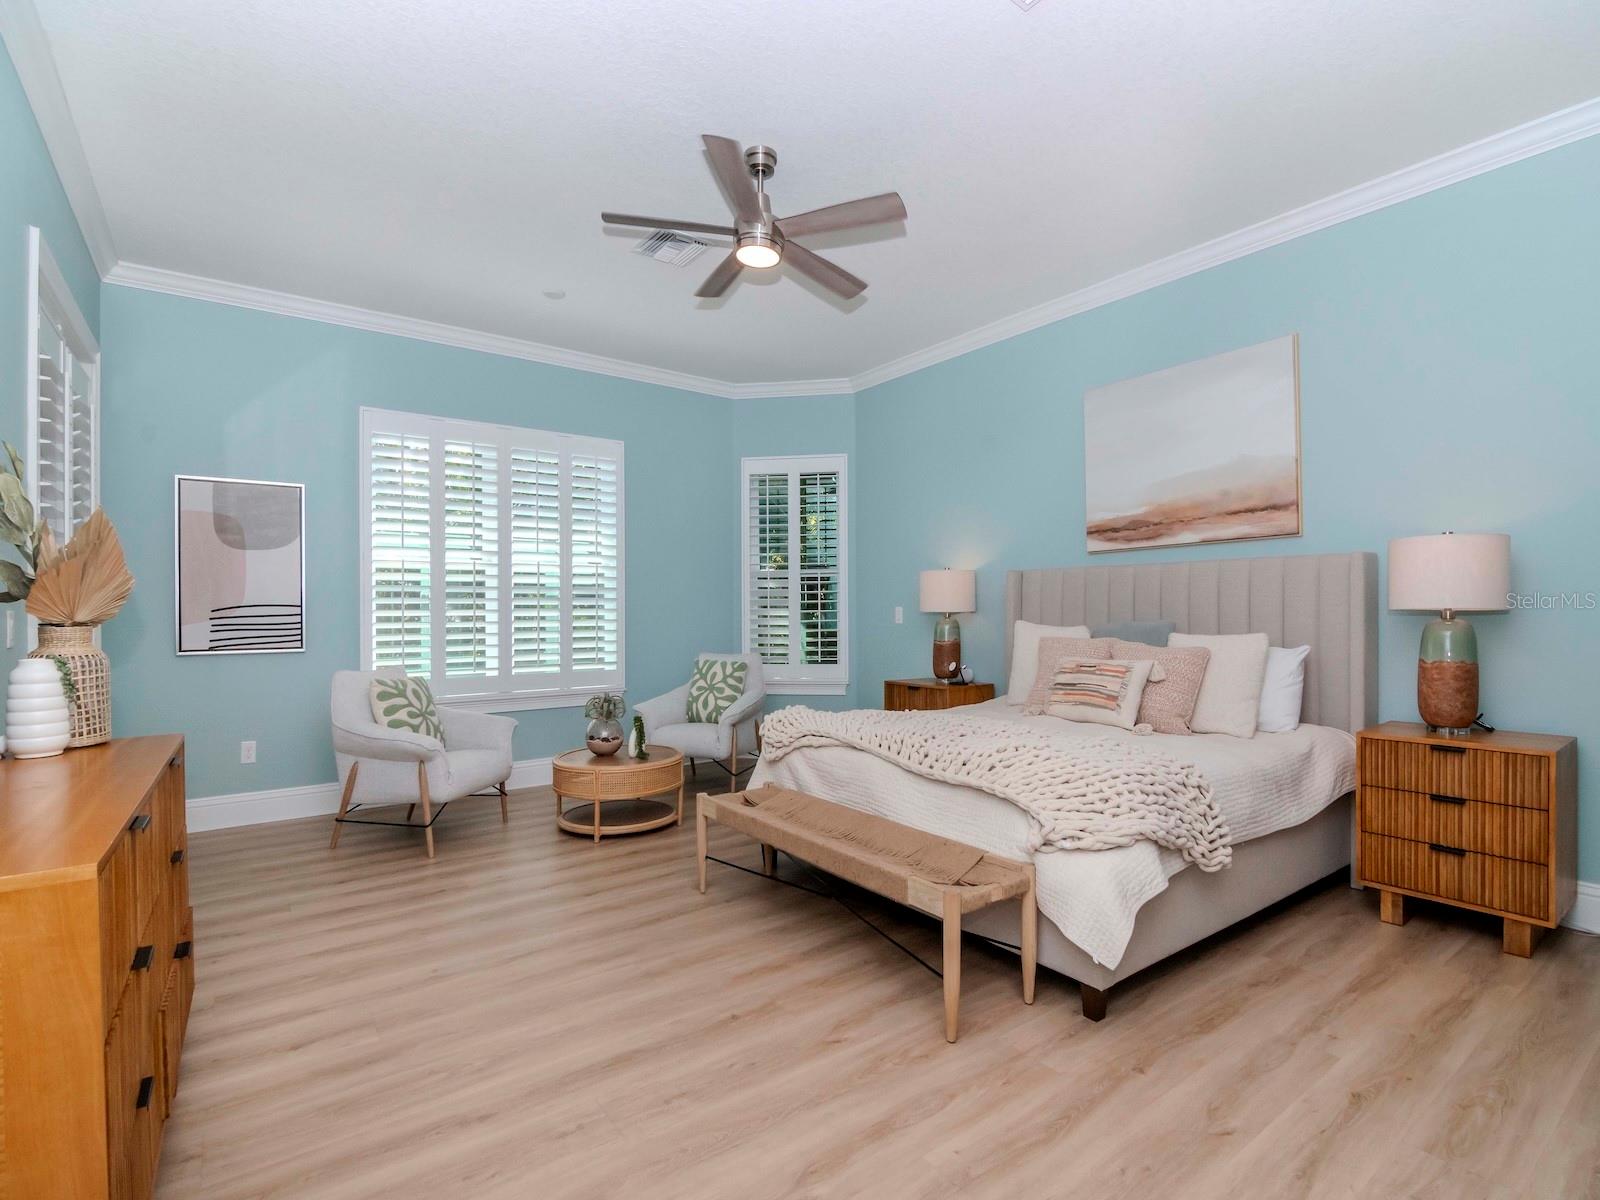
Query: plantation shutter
[
  {"x": 65, "y": 470},
  {"x": 769, "y": 560},
  {"x": 594, "y": 562},
  {"x": 399, "y": 591},
  {"x": 794, "y": 576},
  {"x": 524, "y": 531}
]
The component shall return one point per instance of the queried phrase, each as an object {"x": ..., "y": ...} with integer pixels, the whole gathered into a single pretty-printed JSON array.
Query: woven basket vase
[{"x": 91, "y": 676}]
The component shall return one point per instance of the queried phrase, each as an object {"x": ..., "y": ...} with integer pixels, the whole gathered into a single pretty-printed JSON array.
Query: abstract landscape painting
[
  {"x": 241, "y": 566},
  {"x": 1204, "y": 452}
]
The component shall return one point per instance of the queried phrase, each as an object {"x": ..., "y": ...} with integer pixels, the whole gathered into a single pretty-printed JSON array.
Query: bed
[{"x": 1286, "y": 797}]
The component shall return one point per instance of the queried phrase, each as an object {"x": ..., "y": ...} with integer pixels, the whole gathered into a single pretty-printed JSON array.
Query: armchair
[
  {"x": 382, "y": 766},
  {"x": 739, "y": 729}
]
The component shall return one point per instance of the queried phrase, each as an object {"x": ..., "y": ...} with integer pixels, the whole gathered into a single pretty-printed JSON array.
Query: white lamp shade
[
  {"x": 949, "y": 591},
  {"x": 1468, "y": 572}
]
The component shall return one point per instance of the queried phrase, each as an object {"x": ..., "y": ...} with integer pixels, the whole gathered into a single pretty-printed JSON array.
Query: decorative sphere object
[
  {"x": 38, "y": 717},
  {"x": 605, "y": 736}
]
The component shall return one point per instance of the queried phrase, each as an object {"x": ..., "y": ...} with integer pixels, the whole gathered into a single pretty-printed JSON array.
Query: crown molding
[
  {"x": 1501, "y": 149},
  {"x": 287, "y": 304},
  {"x": 790, "y": 389},
  {"x": 25, "y": 38}
]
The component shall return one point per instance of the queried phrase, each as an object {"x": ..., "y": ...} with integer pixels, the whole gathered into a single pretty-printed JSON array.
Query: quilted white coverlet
[{"x": 1261, "y": 785}]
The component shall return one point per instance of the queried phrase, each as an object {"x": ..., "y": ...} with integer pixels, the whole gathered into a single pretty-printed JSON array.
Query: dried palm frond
[{"x": 87, "y": 582}]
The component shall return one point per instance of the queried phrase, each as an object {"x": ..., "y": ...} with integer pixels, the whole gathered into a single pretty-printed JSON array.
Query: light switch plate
[
  {"x": 247, "y": 752},
  {"x": 899, "y": 615}
]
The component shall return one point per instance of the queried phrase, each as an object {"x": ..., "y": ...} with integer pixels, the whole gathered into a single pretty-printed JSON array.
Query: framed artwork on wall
[
  {"x": 239, "y": 565},
  {"x": 1207, "y": 451}
]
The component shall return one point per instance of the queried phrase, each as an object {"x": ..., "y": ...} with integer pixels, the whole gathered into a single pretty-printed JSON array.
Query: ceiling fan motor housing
[{"x": 762, "y": 161}]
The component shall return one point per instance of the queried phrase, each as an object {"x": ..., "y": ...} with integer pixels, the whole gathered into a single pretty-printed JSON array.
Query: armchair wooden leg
[
  {"x": 505, "y": 816},
  {"x": 344, "y": 804},
  {"x": 427, "y": 806},
  {"x": 700, "y": 843}
]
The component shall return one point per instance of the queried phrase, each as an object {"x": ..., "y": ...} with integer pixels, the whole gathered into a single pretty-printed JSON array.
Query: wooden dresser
[
  {"x": 1487, "y": 821},
  {"x": 96, "y": 966},
  {"x": 924, "y": 695}
]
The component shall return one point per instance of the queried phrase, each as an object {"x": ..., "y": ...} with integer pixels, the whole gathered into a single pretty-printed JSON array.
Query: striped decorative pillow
[
  {"x": 1100, "y": 691},
  {"x": 1053, "y": 650}
]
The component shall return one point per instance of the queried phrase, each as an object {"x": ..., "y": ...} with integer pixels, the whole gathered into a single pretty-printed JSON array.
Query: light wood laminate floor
[{"x": 534, "y": 1015}]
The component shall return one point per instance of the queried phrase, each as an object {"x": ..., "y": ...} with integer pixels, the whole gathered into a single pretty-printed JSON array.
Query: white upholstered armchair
[
  {"x": 666, "y": 721},
  {"x": 380, "y": 766}
]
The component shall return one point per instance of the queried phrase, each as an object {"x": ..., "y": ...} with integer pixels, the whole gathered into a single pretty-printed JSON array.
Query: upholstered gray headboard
[{"x": 1326, "y": 601}]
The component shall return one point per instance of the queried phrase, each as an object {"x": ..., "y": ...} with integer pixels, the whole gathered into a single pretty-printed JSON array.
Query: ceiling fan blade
[
  {"x": 662, "y": 223},
  {"x": 727, "y": 161},
  {"x": 831, "y": 276},
  {"x": 721, "y": 279},
  {"x": 871, "y": 210}
]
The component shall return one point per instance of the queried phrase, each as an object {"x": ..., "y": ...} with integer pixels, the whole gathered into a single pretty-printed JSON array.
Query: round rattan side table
[{"x": 617, "y": 791}]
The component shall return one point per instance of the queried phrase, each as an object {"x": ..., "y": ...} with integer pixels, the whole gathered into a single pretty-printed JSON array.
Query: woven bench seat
[{"x": 932, "y": 874}]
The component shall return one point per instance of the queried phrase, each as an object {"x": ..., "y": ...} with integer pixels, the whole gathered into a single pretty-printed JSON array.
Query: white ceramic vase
[{"x": 38, "y": 718}]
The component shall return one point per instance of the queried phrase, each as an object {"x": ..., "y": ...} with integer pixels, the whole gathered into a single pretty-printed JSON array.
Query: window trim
[
  {"x": 798, "y": 680},
  {"x": 429, "y": 424}
]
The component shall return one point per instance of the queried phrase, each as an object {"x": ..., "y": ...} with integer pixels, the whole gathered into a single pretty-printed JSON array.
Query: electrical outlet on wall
[
  {"x": 247, "y": 752},
  {"x": 899, "y": 615}
]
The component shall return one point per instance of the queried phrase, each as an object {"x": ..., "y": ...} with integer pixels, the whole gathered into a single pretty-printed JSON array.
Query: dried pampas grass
[{"x": 85, "y": 583}]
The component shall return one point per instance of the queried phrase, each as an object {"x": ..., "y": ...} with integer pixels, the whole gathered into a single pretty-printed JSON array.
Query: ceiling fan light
[{"x": 756, "y": 250}]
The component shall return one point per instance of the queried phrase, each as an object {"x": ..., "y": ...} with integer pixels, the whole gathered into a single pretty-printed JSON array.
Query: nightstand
[
  {"x": 1488, "y": 821},
  {"x": 930, "y": 695}
]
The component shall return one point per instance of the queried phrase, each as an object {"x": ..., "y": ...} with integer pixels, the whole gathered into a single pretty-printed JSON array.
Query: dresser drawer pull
[
  {"x": 140, "y": 823},
  {"x": 182, "y": 950},
  {"x": 177, "y": 857},
  {"x": 146, "y": 1086},
  {"x": 142, "y": 957},
  {"x": 1456, "y": 850},
  {"x": 1447, "y": 749},
  {"x": 1440, "y": 799}
]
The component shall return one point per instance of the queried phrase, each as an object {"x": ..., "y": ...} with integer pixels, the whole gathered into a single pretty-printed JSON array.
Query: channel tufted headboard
[{"x": 1326, "y": 601}]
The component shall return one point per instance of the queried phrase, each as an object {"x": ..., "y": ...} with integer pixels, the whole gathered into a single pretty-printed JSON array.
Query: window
[
  {"x": 63, "y": 460},
  {"x": 492, "y": 559},
  {"x": 794, "y": 572}
]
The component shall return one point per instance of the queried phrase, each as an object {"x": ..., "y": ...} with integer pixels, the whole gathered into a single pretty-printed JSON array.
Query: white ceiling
[{"x": 448, "y": 161}]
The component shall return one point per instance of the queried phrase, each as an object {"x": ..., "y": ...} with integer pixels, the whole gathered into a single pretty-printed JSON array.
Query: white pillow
[
  {"x": 1102, "y": 691},
  {"x": 1230, "y": 694},
  {"x": 1025, "y": 637},
  {"x": 1282, "y": 690}
]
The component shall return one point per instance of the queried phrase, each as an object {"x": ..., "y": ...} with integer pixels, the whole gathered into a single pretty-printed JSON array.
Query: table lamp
[
  {"x": 1449, "y": 573},
  {"x": 948, "y": 592}
]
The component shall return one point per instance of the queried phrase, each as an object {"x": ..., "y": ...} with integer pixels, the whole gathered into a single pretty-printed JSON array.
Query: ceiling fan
[{"x": 762, "y": 241}]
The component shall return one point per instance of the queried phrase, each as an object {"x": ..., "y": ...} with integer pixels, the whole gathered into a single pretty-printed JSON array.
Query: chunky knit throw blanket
[{"x": 1081, "y": 793}]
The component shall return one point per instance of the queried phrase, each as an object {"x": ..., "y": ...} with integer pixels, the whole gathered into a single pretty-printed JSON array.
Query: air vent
[{"x": 666, "y": 246}]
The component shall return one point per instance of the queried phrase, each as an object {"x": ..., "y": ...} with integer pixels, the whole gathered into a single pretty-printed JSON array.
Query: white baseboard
[
  {"x": 311, "y": 800},
  {"x": 1585, "y": 912}
]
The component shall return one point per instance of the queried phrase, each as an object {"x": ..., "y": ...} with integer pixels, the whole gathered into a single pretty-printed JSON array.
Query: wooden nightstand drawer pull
[
  {"x": 177, "y": 855},
  {"x": 145, "y": 1086},
  {"x": 183, "y": 950},
  {"x": 1439, "y": 798},
  {"x": 140, "y": 823},
  {"x": 1447, "y": 749},
  {"x": 1443, "y": 849}
]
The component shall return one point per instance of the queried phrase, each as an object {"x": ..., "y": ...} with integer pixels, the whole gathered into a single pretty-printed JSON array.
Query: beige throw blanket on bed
[{"x": 1081, "y": 793}]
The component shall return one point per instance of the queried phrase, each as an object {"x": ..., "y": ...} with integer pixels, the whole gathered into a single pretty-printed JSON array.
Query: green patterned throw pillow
[
  {"x": 717, "y": 683},
  {"x": 401, "y": 702}
]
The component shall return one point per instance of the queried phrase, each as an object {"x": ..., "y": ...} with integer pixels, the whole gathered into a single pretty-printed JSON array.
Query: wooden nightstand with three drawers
[{"x": 1487, "y": 821}]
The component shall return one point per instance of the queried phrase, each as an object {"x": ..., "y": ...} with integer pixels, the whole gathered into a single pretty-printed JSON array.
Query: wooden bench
[{"x": 935, "y": 875}]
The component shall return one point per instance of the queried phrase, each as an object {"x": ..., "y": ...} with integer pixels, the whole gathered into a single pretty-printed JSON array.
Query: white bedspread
[{"x": 1261, "y": 784}]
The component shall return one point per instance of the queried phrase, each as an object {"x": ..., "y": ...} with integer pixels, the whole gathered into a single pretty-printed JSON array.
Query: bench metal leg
[
  {"x": 1030, "y": 936},
  {"x": 700, "y": 841},
  {"x": 952, "y": 962}
]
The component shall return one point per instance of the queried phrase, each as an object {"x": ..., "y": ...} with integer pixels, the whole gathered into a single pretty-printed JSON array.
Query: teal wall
[
  {"x": 1450, "y": 379},
  {"x": 206, "y": 389},
  {"x": 30, "y": 194}
]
